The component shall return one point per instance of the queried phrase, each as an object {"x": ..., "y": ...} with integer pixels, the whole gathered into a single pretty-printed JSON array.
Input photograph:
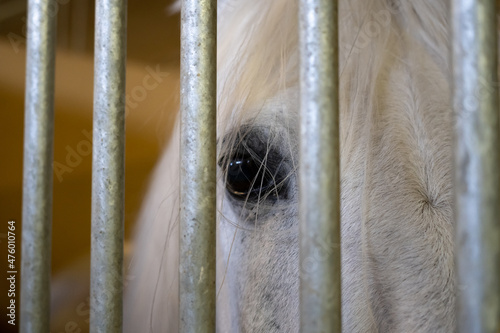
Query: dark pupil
[{"x": 245, "y": 178}]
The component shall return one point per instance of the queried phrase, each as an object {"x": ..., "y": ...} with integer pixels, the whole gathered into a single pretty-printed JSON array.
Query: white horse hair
[{"x": 396, "y": 183}]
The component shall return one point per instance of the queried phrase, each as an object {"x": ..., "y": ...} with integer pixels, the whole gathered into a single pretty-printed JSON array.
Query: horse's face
[
  {"x": 395, "y": 160},
  {"x": 397, "y": 260}
]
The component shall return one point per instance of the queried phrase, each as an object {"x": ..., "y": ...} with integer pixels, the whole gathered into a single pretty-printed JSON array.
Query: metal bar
[
  {"x": 477, "y": 158},
  {"x": 198, "y": 166},
  {"x": 106, "y": 302},
  {"x": 37, "y": 173},
  {"x": 319, "y": 207}
]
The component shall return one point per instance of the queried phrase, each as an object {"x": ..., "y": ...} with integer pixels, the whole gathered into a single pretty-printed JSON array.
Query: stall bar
[
  {"x": 37, "y": 168},
  {"x": 108, "y": 175},
  {"x": 198, "y": 166},
  {"x": 477, "y": 165},
  {"x": 319, "y": 184}
]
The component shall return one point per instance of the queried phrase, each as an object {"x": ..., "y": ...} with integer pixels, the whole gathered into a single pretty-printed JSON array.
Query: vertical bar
[
  {"x": 106, "y": 313},
  {"x": 477, "y": 158},
  {"x": 198, "y": 166},
  {"x": 320, "y": 294},
  {"x": 37, "y": 173}
]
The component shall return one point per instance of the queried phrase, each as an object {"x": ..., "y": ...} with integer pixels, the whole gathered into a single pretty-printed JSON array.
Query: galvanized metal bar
[
  {"x": 319, "y": 185},
  {"x": 477, "y": 158},
  {"x": 106, "y": 302},
  {"x": 37, "y": 172},
  {"x": 198, "y": 166}
]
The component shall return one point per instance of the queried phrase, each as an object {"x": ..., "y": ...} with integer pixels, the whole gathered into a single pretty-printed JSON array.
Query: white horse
[{"x": 396, "y": 134}]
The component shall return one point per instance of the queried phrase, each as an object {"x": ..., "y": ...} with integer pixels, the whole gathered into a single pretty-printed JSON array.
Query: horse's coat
[{"x": 396, "y": 132}]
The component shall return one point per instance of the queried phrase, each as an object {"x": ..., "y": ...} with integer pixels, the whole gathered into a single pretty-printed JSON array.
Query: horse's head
[{"x": 395, "y": 125}]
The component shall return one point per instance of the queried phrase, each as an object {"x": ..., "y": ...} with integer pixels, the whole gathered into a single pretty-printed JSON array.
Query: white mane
[{"x": 397, "y": 232}]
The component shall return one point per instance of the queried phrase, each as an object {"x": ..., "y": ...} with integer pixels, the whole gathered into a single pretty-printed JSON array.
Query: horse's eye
[{"x": 250, "y": 179}]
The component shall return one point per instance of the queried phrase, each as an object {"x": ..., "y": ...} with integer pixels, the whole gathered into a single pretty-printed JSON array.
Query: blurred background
[{"x": 152, "y": 55}]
